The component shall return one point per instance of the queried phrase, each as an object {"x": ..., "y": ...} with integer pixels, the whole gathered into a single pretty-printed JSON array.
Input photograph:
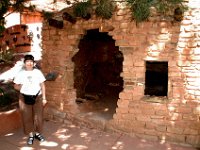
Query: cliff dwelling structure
[{"x": 141, "y": 78}]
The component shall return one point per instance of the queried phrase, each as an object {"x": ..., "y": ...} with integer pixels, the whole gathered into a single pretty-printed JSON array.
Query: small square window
[{"x": 156, "y": 78}]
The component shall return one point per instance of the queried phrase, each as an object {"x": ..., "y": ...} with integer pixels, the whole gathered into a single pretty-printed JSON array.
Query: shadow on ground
[{"x": 71, "y": 137}]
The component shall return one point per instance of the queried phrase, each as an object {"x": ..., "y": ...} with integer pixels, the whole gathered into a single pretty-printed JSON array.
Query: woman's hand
[{"x": 44, "y": 102}]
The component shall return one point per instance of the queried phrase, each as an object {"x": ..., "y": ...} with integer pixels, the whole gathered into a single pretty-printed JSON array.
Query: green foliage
[
  {"x": 165, "y": 6},
  {"x": 104, "y": 8},
  {"x": 6, "y": 55},
  {"x": 8, "y": 95},
  {"x": 4, "y": 98},
  {"x": 83, "y": 9},
  {"x": 4, "y": 5},
  {"x": 47, "y": 15},
  {"x": 18, "y": 6},
  {"x": 141, "y": 8},
  {"x": 2, "y": 28}
]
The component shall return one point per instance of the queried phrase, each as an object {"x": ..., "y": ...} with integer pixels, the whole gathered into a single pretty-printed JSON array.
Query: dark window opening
[{"x": 156, "y": 78}]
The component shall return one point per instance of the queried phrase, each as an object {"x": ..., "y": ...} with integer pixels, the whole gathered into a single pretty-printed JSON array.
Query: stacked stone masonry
[
  {"x": 21, "y": 38},
  {"x": 177, "y": 119}
]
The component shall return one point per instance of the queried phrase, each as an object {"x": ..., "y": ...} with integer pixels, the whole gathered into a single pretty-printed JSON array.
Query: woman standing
[{"x": 30, "y": 83}]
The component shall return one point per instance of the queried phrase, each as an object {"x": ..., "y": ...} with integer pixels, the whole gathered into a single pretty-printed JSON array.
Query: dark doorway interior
[
  {"x": 156, "y": 79},
  {"x": 98, "y": 65}
]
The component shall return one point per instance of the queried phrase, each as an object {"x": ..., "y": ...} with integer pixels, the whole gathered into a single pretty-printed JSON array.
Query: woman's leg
[
  {"x": 38, "y": 115},
  {"x": 27, "y": 115}
]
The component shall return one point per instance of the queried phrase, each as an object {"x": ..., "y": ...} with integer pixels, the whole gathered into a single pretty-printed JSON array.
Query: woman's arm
[
  {"x": 43, "y": 90},
  {"x": 17, "y": 87},
  {"x": 43, "y": 93}
]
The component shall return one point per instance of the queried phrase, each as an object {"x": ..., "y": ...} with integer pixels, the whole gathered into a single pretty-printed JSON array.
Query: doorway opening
[
  {"x": 97, "y": 69},
  {"x": 156, "y": 78}
]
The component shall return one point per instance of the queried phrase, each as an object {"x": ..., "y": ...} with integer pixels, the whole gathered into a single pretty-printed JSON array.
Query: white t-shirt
[{"x": 30, "y": 81}]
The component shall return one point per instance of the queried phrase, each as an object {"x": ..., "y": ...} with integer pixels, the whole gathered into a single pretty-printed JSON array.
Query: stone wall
[
  {"x": 16, "y": 38},
  {"x": 22, "y": 37},
  {"x": 175, "y": 118}
]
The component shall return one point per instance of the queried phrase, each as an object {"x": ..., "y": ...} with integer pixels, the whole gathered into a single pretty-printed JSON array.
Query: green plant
[
  {"x": 83, "y": 9},
  {"x": 4, "y": 98},
  {"x": 104, "y": 8},
  {"x": 8, "y": 95},
  {"x": 4, "y": 6},
  {"x": 2, "y": 28},
  {"x": 165, "y": 6},
  {"x": 6, "y": 55},
  {"x": 47, "y": 15},
  {"x": 141, "y": 9}
]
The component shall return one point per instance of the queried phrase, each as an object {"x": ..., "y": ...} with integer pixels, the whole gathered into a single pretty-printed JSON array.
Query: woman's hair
[{"x": 28, "y": 57}]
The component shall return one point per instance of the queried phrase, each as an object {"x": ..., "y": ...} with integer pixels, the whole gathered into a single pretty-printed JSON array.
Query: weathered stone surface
[{"x": 172, "y": 118}]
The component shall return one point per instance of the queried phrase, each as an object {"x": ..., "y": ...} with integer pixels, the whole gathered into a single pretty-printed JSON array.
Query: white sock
[{"x": 31, "y": 134}]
